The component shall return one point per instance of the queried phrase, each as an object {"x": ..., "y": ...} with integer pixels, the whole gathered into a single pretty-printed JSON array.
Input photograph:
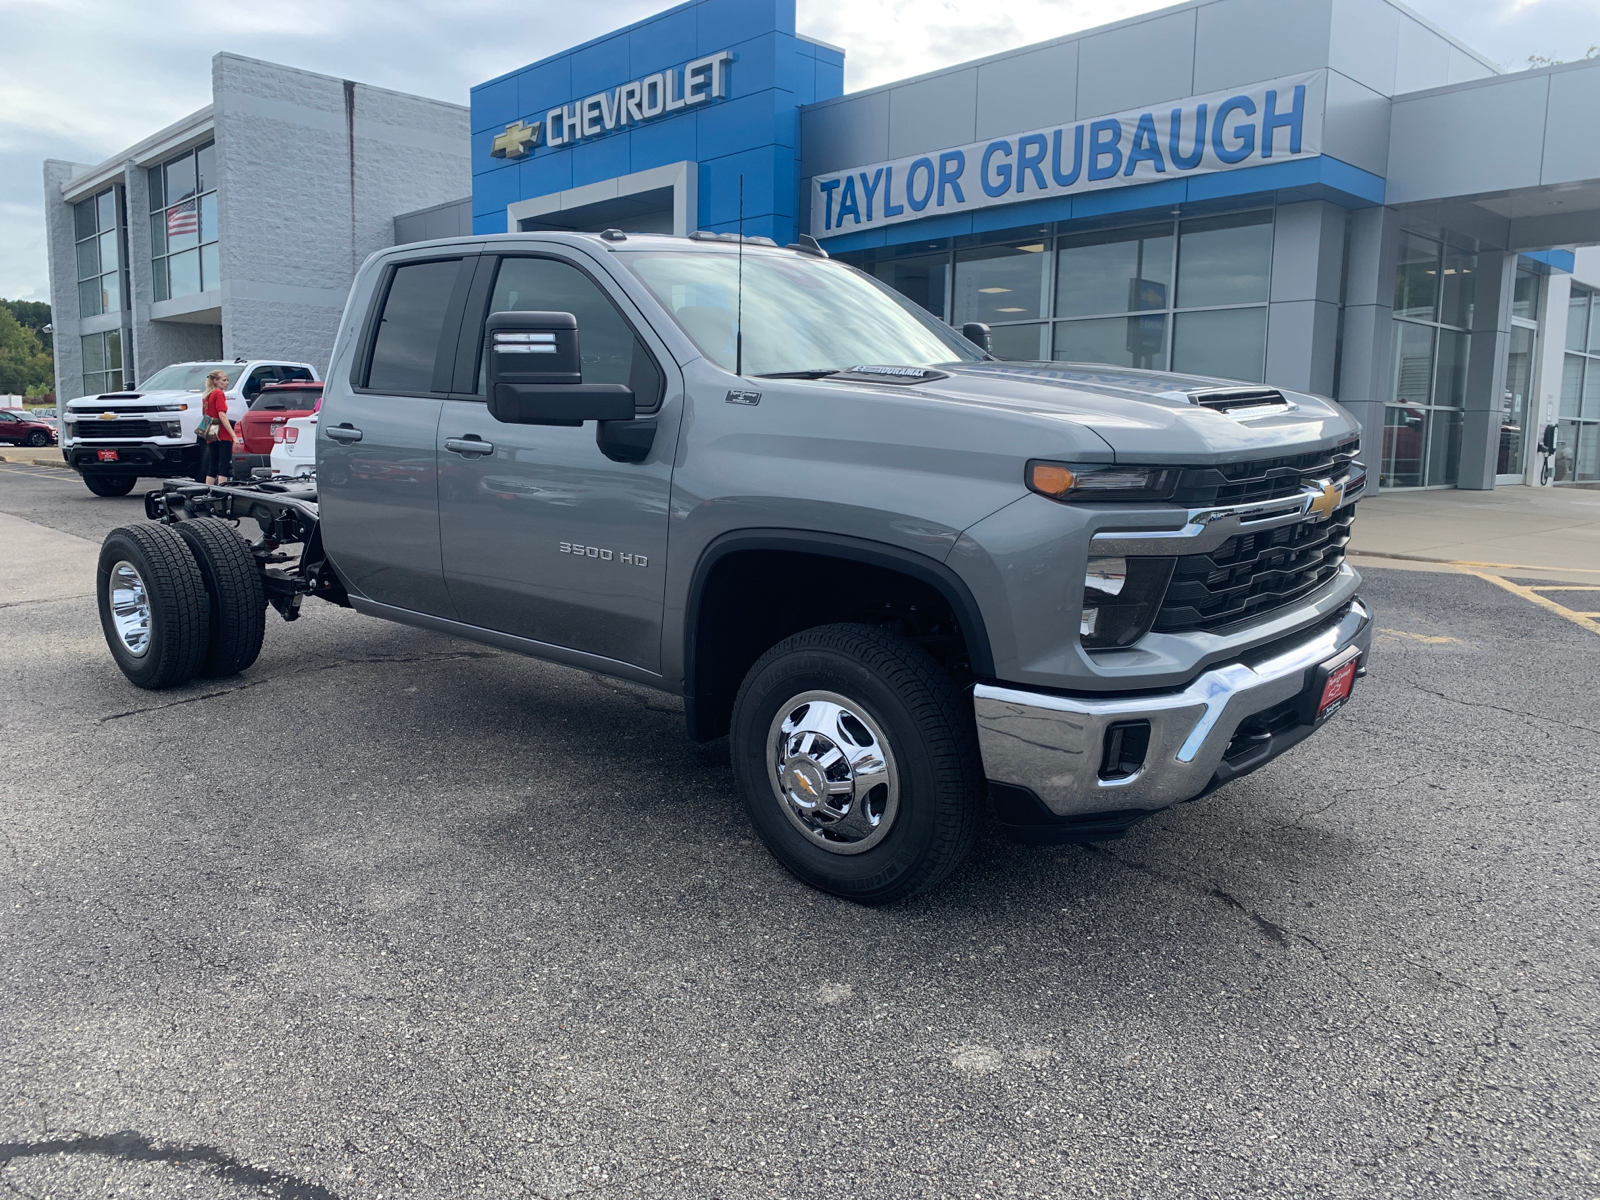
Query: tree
[
  {"x": 24, "y": 362},
  {"x": 1540, "y": 60}
]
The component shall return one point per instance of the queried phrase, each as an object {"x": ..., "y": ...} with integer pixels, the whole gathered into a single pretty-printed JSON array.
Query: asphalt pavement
[{"x": 395, "y": 915}]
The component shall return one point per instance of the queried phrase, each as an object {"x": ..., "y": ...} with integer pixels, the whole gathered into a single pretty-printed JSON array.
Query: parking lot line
[{"x": 1585, "y": 620}]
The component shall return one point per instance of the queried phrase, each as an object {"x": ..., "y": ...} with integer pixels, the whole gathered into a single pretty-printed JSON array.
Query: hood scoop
[{"x": 1242, "y": 402}]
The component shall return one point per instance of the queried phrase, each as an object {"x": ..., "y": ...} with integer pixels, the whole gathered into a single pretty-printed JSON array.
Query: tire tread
[{"x": 234, "y": 590}]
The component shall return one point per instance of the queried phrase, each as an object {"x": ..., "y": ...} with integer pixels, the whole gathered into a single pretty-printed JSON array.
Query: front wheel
[
  {"x": 38, "y": 438},
  {"x": 858, "y": 762},
  {"x": 109, "y": 485}
]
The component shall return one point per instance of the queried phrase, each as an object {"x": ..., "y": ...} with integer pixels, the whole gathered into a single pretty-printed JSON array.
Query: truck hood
[
  {"x": 1144, "y": 416},
  {"x": 129, "y": 401}
]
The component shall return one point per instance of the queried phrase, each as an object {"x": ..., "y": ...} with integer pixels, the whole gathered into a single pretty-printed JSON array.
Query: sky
[{"x": 83, "y": 79}]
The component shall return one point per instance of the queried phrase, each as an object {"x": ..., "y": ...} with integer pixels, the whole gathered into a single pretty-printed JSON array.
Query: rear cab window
[{"x": 412, "y": 344}]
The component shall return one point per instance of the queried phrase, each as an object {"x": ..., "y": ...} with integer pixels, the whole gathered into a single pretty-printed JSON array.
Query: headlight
[
  {"x": 1120, "y": 599},
  {"x": 1099, "y": 481}
]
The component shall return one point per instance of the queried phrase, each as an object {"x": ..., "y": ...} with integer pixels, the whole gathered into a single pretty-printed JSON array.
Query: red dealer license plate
[
  {"x": 107, "y": 455},
  {"x": 1336, "y": 690}
]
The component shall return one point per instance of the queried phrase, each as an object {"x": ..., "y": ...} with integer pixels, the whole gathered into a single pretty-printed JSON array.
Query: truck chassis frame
[{"x": 285, "y": 508}]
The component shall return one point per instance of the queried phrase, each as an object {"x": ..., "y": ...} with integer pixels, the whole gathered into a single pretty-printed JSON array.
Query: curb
[
  {"x": 1466, "y": 562},
  {"x": 35, "y": 462}
]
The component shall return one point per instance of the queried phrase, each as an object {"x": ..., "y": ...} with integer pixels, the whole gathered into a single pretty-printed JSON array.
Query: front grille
[
  {"x": 1263, "y": 479},
  {"x": 124, "y": 428},
  {"x": 1253, "y": 574}
]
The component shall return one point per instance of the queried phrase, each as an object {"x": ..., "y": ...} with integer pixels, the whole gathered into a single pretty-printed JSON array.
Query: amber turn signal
[{"x": 1051, "y": 478}]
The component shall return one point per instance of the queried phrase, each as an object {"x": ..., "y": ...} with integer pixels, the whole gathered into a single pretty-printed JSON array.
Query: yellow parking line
[
  {"x": 1564, "y": 587},
  {"x": 1583, "y": 620}
]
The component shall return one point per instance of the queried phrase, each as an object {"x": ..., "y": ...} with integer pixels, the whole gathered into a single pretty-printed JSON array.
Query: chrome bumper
[{"x": 1053, "y": 745}]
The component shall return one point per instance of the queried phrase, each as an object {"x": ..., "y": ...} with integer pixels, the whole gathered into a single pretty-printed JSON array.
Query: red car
[
  {"x": 276, "y": 405},
  {"x": 16, "y": 428}
]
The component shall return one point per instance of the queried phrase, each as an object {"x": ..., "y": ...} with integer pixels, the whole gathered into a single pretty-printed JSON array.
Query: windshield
[
  {"x": 189, "y": 377},
  {"x": 799, "y": 315}
]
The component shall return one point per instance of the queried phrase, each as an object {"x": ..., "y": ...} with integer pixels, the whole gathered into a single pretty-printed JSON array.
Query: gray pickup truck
[{"x": 910, "y": 582}]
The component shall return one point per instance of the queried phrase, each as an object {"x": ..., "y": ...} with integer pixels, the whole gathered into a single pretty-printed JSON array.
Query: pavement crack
[
  {"x": 48, "y": 600},
  {"x": 1272, "y": 931},
  {"x": 337, "y": 664},
  {"x": 1269, "y": 929},
  {"x": 610, "y": 685},
  {"x": 131, "y": 1146},
  {"x": 1515, "y": 712}
]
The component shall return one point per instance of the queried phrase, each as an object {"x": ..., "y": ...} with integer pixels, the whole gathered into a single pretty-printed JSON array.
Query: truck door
[
  {"x": 377, "y": 458},
  {"x": 544, "y": 536}
]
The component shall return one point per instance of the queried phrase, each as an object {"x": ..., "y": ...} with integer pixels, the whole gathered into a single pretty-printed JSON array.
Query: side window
[
  {"x": 295, "y": 375},
  {"x": 611, "y": 352},
  {"x": 261, "y": 375},
  {"x": 409, "y": 332}
]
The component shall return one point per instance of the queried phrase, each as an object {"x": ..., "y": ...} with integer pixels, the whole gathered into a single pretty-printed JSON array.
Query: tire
[
  {"x": 38, "y": 438},
  {"x": 156, "y": 576},
  {"x": 109, "y": 485},
  {"x": 235, "y": 593},
  {"x": 864, "y": 690}
]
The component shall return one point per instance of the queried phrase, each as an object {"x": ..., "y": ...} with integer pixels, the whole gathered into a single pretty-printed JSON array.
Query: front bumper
[
  {"x": 1053, "y": 746},
  {"x": 154, "y": 459}
]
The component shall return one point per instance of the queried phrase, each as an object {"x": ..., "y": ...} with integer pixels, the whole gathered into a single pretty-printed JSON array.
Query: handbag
[{"x": 206, "y": 431}]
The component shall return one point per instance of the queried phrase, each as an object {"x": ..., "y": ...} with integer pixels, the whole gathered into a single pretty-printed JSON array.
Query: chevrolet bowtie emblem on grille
[
  {"x": 516, "y": 141},
  {"x": 108, "y": 416},
  {"x": 1324, "y": 503}
]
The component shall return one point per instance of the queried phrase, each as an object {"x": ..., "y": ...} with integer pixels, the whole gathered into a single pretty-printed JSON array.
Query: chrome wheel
[
  {"x": 130, "y": 608},
  {"x": 833, "y": 772}
]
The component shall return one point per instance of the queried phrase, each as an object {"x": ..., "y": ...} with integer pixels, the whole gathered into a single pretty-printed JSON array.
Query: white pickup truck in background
[{"x": 115, "y": 438}]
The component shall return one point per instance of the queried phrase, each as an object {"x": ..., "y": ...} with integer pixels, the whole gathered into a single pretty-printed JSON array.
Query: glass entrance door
[{"x": 1516, "y": 433}]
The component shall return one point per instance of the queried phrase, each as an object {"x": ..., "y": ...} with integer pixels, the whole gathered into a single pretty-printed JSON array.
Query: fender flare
[{"x": 930, "y": 571}]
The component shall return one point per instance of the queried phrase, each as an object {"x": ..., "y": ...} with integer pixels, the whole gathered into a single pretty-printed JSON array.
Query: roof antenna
[{"x": 738, "y": 321}]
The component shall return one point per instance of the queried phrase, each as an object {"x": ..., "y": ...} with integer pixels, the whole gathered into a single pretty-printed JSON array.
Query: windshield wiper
[{"x": 813, "y": 373}]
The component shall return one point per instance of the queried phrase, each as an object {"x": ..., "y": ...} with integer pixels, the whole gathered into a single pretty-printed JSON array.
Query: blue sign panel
[
  {"x": 715, "y": 83},
  {"x": 1270, "y": 122}
]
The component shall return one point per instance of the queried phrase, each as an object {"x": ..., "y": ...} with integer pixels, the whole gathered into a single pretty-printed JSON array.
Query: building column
[
  {"x": 1492, "y": 285},
  {"x": 140, "y": 360},
  {"x": 61, "y": 246},
  {"x": 1366, "y": 367},
  {"x": 1303, "y": 317}
]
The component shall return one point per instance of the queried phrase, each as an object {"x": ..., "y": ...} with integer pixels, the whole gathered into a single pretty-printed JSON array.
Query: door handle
[
  {"x": 343, "y": 433},
  {"x": 469, "y": 445}
]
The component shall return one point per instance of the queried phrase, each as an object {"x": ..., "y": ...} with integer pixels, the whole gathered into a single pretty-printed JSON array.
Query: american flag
[{"x": 183, "y": 219}]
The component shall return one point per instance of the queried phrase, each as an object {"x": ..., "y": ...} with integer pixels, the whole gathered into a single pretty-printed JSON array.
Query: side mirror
[
  {"x": 977, "y": 333},
  {"x": 535, "y": 375}
]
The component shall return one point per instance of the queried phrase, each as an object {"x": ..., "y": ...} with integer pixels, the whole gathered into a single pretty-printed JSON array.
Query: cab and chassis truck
[{"x": 911, "y": 583}]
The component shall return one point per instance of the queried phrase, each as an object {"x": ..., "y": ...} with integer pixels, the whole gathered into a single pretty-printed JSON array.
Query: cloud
[{"x": 21, "y": 252}]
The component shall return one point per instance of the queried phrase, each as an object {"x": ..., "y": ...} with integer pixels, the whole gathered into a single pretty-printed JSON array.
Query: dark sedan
[{"x": 17, "y": 429}]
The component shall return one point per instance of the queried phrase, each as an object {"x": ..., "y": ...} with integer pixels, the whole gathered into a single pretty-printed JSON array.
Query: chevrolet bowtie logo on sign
[{"x": 516, "y": 141}]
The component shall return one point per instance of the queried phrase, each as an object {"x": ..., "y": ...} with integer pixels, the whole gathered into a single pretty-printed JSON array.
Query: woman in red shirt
[{"x": 218, "y": 453}]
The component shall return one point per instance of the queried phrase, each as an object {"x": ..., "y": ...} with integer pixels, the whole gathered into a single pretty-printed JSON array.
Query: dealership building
[
  {"x": 237, "y": 230},
  {"x": 1330, "y": 195}
]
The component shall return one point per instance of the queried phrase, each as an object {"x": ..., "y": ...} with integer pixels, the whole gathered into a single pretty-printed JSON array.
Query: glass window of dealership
[
  {"x": 1182, "y": 295},
  {"x": 1190, "y": 295},
  {"x": 99, "y": 228},
  {"x": 183, "y": 224}
]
